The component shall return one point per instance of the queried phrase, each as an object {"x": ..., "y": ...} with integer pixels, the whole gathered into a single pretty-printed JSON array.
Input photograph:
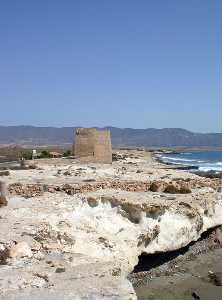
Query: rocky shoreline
[
  {"x": 78, "y": 230},
  {"x": 192, "y": 168}
]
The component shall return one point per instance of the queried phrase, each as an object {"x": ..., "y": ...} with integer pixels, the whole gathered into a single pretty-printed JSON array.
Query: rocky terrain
[{"x": 76, "y": 231}]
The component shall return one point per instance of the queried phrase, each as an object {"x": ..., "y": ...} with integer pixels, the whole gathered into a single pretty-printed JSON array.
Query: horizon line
[{"x": 110, "y": 126}]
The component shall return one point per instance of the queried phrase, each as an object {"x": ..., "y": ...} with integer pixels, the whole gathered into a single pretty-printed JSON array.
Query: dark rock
[
  {"x": 60, "y": 270},
  {"x": 215, "y": 278},
  {"x": 195, "y": 296},
  {"x": 67, "y": 173},
  {"x": 139, "y": 171},
  {"x": 209, "y": 174},
  {"x": 4, "y": 173},
  {"x": 32, "y": 167}
]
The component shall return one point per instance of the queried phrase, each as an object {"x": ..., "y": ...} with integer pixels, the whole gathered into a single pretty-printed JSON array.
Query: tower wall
[{"x": 93, "y": 145}]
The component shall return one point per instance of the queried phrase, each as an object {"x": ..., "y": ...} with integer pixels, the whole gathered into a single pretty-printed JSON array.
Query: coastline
[
  {"x": 183, "y": 166},
  {"x": 187, "y": 273},
  {"x": 96, "y": 221}
]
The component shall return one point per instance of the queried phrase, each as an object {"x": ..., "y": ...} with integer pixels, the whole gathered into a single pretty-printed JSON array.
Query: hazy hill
[{"x": 30, "y": 135}]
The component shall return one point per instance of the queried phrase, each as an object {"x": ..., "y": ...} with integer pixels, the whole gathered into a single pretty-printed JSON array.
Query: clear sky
[{"x": 125, "y": 63}]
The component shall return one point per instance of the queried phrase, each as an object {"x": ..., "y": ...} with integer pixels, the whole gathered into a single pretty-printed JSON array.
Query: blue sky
[{"x": 123, "y": 63}]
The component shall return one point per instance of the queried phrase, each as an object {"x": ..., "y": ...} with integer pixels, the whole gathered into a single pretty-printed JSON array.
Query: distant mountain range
[{"x": 169, "y": 137}]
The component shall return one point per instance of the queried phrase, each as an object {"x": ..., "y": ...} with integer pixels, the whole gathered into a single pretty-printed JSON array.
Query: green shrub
[
  {"x": 67, "y": 153},
  {"x": 45, "y": 154},
  {"x": 27, "y": 155}
]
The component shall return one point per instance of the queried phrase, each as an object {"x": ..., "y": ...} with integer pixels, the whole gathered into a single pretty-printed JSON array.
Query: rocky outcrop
[
  {"x": 26, "y": 190},
  {"x": 19, "y": 250},
  {"x": 101, "y": 235},
  {"x": 51, "y": 239},
  {"x": 183, "y": 218},
  {"x": 4, "y": 173},
  {"x": 87, "y": 225},
  {"x": 3, "y": 199},
  {"x": 179, "y": 186}
]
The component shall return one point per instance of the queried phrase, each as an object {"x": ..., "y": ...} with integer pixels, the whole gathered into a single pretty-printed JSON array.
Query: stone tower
[{"x": 92, "y": 145}]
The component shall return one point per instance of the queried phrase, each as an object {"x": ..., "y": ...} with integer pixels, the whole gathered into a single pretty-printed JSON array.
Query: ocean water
[{"x": 204, "y": 160}]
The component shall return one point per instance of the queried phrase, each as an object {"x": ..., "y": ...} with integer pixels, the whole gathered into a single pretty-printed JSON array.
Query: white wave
[
  {"x": 189, "y": 160},
  {"x": 171, "y": 158},
  {"x": 179, "y": 163},
  {"x": 213, "y": 168},
  {"x": 204, "y": 166},
  {"x": 179, "y": 159}
]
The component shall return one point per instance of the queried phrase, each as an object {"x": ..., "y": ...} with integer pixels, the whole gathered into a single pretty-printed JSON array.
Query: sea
[{"x": 205, "y": 161}]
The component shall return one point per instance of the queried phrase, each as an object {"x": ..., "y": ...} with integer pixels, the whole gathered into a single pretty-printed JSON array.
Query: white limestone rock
[{"x": 20, "y": 250}]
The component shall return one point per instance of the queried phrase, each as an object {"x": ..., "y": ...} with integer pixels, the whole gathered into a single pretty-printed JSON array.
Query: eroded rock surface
[{"x": 86, "y": 230}]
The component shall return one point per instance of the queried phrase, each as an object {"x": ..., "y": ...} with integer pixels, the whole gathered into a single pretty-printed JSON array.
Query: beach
[{"x": 192, "y": 281}]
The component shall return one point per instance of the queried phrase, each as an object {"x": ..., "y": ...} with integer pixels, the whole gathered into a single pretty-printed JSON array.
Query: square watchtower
[{"x": 92, "y": 145}]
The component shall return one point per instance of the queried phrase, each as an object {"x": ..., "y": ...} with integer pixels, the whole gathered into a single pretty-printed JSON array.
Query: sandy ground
[
  {"x": 140, "y": 166},
  {"x": 195, "y": 283}
]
